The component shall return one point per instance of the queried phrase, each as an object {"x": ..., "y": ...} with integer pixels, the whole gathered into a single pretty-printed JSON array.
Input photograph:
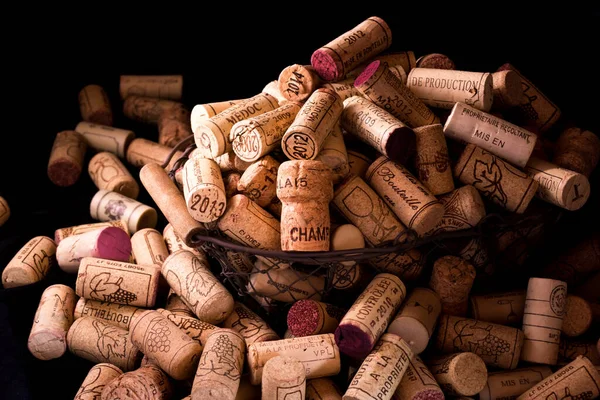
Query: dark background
[{"x": 227, "y": 53}]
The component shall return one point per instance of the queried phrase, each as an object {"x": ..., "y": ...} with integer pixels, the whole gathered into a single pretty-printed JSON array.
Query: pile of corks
[{"x": 349, "y": 152}]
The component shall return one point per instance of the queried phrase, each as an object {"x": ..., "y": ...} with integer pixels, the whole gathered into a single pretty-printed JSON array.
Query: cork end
[
  {"x": 47, "y": 345},
  {"x": 353, "y": 342},
  {"x": 145, "y": 219},
  {"x": 470, "y": 374},
  {"x": 325, "y": 65},
  {"x": 436, "y": 61},
  {"x": 64, "y": 172},
  {"x": 429, "y": 394},
  {"x": 367, "y": 73},
  {"x": 15, "y": 277},
  {"x": 578, "y": 316},
  {"x": 303, "y": 318},
  {"x": 401, "y": 145},
  {"x": 113, "y": 244}
]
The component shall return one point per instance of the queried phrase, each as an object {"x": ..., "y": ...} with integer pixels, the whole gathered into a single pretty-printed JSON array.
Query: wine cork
[
  {"x": 141, "y": 152},
  {"x": 212, "y": 135},
  {"x": 174, "y": 126},
  {"x": 318, "y": 353},
  {"x": 148, "y": 383},
  {"x": 405, "y": 59},
  {"x": 435, "y": 60},
  {"x": 203, "y": 189},
  {"x": 577, "y": 150},
  {"x": 111, "y": 313},
  {"x": 577, "y": 316},
  {"x": 66, "y": 158},
  {"x": 95, "y": 381},
  {"x": 369, "y": 316},
  {"x": 399, "y": 72},
  {"x": 378, "y": 128},
  {"x": 148, "y": 247},
  {"x": 542, "y": 320},
  {"x": 310, "y": 317},
  {"x": 109, "y": 243},
  {"x": 63, "y": 233},
  {"x": 417, "y": 318},
  {"x": 412, "y": 203},
  {"x": 175, "y": 243},
  {"x": 452, "y": 278},
  {"x": 248, "y": 324},
  {"x": 432, "y": 161},
  {"x": 205, "y": 111},
  {"x": 110, "y": 206},
  {"x": 463, "y": 209},
  {"x": 105, "y": 138},
  {"x": 259, "y": 181},
  {"x": 175, "y": 305},
  {"x": 500, "y": 308},
  {"x": 511, "y": 142},
  {"x": 578, "y": 379},
  {"x": 4, "y": 211},
  {"x": 333, "y": 153},
  {"x": 286, "y": 284},
  {"x": 230, "y": 180},
  {"x": 570, "y": 349},
  {"x": 322, "y": 389},
  {"x": 146, "y": 109},
  {"x": 507, "y": 90},
  {"x": 510, "y": 384},
  {"x": 283, "y": 378},
  {"x": 95, "y": 106},
  {"x": 344, "y": 88},
  {"x": 476, "y": 252},
  {"x": 159, "y": 86},
  {"x": 193, "y": 327},
  {"x": 359, "y": 163},
  {"x": 220, "y": 368},
  {"x": 459, "y": 374},
  {"x": 190, "y": 277},
  {"x": 31, "y": 263},
  {"x": 378, "y": 84},
  {"x": 227, "y": 162},
  {"x": 95, "y": 340},
  {"x": 575, "y": 264},
  {"x": 407, "y": 266},
  {"x": 304, "y": 138},
  {"x": 356, "y": 201},
  {"x": 381, "y": 372},
  {"x": 497, "y": 180},
  {"x": 418, "y": 383},
  {"x": 109, "y": 173},
  {"x": 338, "y": 57},
  {"x": 347, "y": 273},
  {"x": 297, "y": 82}
]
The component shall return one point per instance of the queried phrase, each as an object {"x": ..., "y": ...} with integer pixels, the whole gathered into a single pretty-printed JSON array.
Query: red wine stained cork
[
  {"x": 95, "y": 340},
  {"x": 575, "y": 264},
  {"x": 159, "y": 86},
  {"x": 435, "y": 60},
  {"x": 578, "y": 316},
  {"x": 407, "y": 266},
  {"x": 570, "y": 349},
  {"x": 148, "y": 382},
  {"x": 507, "y": 90},
  {"x": 111, "y": 313},
  {"x": 378, "y": 84},
  {"x": 52, "y": 320},
  {"x": 369, "y": 316},
  {"x": 542, "y": 320},
  {"x": 259, "y": 181},
  {"x": 95, "y": 106},
  {"x": 500, "y": 308},
  {"x": 285, "y": 284},
  {"x": 203, "y": 189},
  {"x": 95, "y": 380},
  {"x": 578, "y": 379},
  {"x": 212, "y": 135},
  {"x": 31, "y": 263},
  {"x": 359, "y": 163},
  {"x": 463, "y": 209},
  {"x": 418, "y": 383},
  {"x": 247, "y": 323},
  {"x": 109, "y": 243},
  {"x": 378, "y": 128},
  {"x": 105, "y": 138},
  {"x": 146, "y": 109},
  {"x": 319, "y": 354},
  {"x": 66, "y": 158},
  {"x": 452, "y": 278},
  {"x": 297, "y": 82},
  {"x": 63, "y": 233},
  {"x": 496, "y": 179},
  {"x": 577, "y": 150},
  {"x": 148, "y": 247},
  {"x": 338, "y": 57},
  {"x": 511, "y": 142},
  {"x": 109, "y": 173},
  {"x": 205, "y": 111},
  {"x": 416, "y": 319},
  {"x": 193, "y": 327},
  {"x": 345, "y": 88},
  {"x": 412, "y": 203},
  {"x": 459, "y": 374},
  {"x": 110, "y": 206},
  {"x": 142, "y": 151},
  {"x": 4, "y": 211},
  {"x": 164, "y": 343},
  {"x": 334, "y": 155},
  {"x": 381, "y": 372},
  {"x": 174, "y": 126},
  {"x": 175, "y": 305},
  {"x": 283, "y": 378},
  {"x": 304, "y": 138},
  {"x": 347, "y": 274},
  {"x": 432, "y": 161},
  {"x": 310, "y": 317},
  {"x": 510, "y": 384}
]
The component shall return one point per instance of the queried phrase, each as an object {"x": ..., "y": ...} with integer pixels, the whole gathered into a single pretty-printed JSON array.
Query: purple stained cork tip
[
  {"x": 325, "y": 65},
  {"x": 113, "y": 244},
  {"x": 353, "y": 342},
  {"x": 367, "y": 73},
  {"x": 303, "y": 318},
  {"x": 401, "y": 145},
  {"x": 64, "y": 172},
  {"x": 429, "y": 395}
]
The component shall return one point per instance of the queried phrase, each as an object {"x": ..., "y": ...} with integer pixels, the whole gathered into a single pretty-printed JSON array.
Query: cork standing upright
[
  {"x": 459, "y": 374},
  {"x": 284, "y": 378},
  {"x": 452, "y": 278}
]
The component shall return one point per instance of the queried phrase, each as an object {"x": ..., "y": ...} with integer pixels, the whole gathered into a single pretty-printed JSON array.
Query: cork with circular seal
[
  {"x": 66, "y": 158},
  {"x": 432, "y": 161},
  {"x": 105, "y": 138},
  {"x": 96, "y": 379},
  {"x": 203, "y": 189},
  {"x": 452, "y": 278},
  {"x": 109, "y": 173},
  {"x": 94, "y": 105},
  {"x": 283, "y": 378},
  {"x": 459, "y": 374},
  {"x": 297, "y": 82},
  {"x": 31, "y": 263}
]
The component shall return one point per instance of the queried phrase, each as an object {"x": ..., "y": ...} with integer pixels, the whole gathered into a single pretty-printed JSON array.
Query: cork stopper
[
  {"x": 285, "y": 284},
  {"x": 334, "y": 154},
  {"x": 435, "y": 60},
  {"x": 463, "y": 209},
  {"x": 407, "y": 265},
  {"x": 109, "y": 173},
  {"x": 432, "y": 161},
  {"x": 227, "y": 162},
  {"x": 106, "y": 206},
  {"x": 577, "y": 150},
  {"x": 205, "y": 111},
  {"x": 578, "y": 316},
  {"x": 297, "y": 82},
  {"x": 203, "y": 189},
  {"x": 359, "y": 163},
  {"x": 146, "y": 109},
  {"x": 66, "y": 158},
  {"x": 310, "y": 317},
  {"x": 31, "y": 263},
  {"x": 460, "y": 374},
  {"x": 4, "y": 211},
  {"x": 418, "y": 383},
  {"x": 259, "y": 181},
  {"x": 105, "y": 138},
  {"x": 283, "y": 378},
  {"x": 142, "y": 151},
  {"x": 348, "y": 273},
  {"x": 510, "y": 384},
  {"x": 96, "y": 379},
  {"x": 159, "y": 86},
  {"x": 148, "y": 247},
  {"x": 452, "y": 278},
  {"x": 251, "y": 326},
  {"x": 500, "y": 308},
  {"x": 95, "y": 106},
  {"x": 63, "y": 233},
  {"x": 507, "y": 90},
  {"x": 175, "y": 305},
  {"x": 174, "y": 126},
  {"x": 112, "y": 313},
  {"x": 148, "y": 382}
]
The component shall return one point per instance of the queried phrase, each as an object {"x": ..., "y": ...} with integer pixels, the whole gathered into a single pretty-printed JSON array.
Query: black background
[{"x": 226, "y": 53}]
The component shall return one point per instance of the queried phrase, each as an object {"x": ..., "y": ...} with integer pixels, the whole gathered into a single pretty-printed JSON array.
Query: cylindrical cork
[
  {"x": 500, "y": 308},
  {"x": 496, "y": 179},
  {"x": 578, "y": 379},
  {"x": 507, "y": 90},
  {"x": 452, "y": 278},
  {"x": 418, "y": 383},
  {"x": 146, "y": 109},
  {"x": 399, "y": 72},
  {"x": 345, "y": 88},
  {"x": 297, "y": 82},
  {"x": 212, "y": 135},
  {"x": 322, "y": 389},
  {"x": 177, "y": 306},
  {"x": 319, "y": 354},
  {"x": 95, "y": 340},
  {"x": 203, "y": 189},
  {"x": 173, "y": 126},
  {"x": 109, "y": 173},
  {"x": 112, "y": 313},
  {"x": 4, "y": 211},
  {"x": 190, "y": 277},
  {"x": 511, "y": 142},
  {"x": 408, "y": 198},
  {"x": 405, "y": 59},
  {"x": 570, "y": 349},
  {"x": 190, "y": 325},
  {"x": 463, "y": 209},
  {"x": 148, "y": 383},
  {"x": 272, "y": 88},
  {"x": 333, "y": 153},
  {"x": 164, "y": 343},
  {"x": 283, "y": 378},
  {"x": 52, "y": 320},
  {"x": 347, "y": 273},
  {"x": 459, "y": 374},
  {"x": 407, "y": 266},
  {"x": 110, "y": 206},
  {"x": 338, "y": 57},
  {"x": 148, "y": 247},
  {"x": 305, "y": 190},
  {"x": 159, "y": 86},
  {"x": 285, "y": 284},
  {"x": 96, "y": 379},
  {"x": 227, "y": 162},
  {"x": 220, "y": 368},
  {"x": 248, "y": 324},
  {"x": 416, "y": 319},
  {"x": 66, "y": 158},
  {"x": 105, "y": 138},
  {"x": 31, "y": 263},
  {"x": 432, "y": 161},
  {"x": 175, "y": 243},
  {"x": 230, "y": 180},
  {"x": 378, "y": 84},
  {"x": 359, "y": 163},
  {"x": 369, "y": 316},
  {"x": 378, "y": 128},
  {"x": 577, "y": 316},
  {"x": 497, "y": 345},
  {"x": 381, "y": 372},
  {"x": 310, "y": 317},
  {"x": 435, "y": 60},
  {"x": 575, "y": 264},
  {"x": 63, "y": 233},
  {"x": 510, "y": 384},
  {"x": 577, "y": 150},
  {"x": 141, "y": 152},
  {"x": 259, "y": 181},
  {"x": 304, "y": 138},
  {"x": 542, "y": 320},
  {"x": 95, "y": 106},
  {"x": 205, "y": 111}
]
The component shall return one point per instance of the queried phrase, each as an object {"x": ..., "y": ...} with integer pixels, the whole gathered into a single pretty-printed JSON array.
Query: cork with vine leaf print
[
  {"x": 251, "y": 326},
  {"x": 31, "y": 264},
  {"x": 95, "y": 381}
]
